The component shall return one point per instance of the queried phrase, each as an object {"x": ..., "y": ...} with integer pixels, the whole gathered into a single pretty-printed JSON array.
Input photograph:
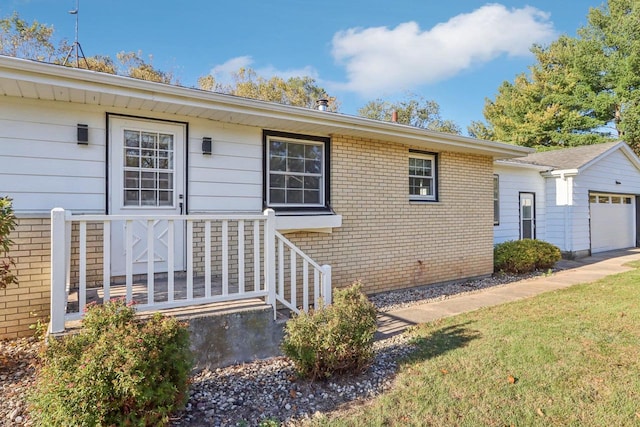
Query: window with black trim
[
  {"x": 296, "y": 171},
  {"x": 496, "y": 200},
  {"x": 423, "y": 176}
]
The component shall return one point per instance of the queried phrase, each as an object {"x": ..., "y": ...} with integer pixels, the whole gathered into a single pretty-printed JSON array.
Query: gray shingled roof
[{"x": 567, "y": 158}]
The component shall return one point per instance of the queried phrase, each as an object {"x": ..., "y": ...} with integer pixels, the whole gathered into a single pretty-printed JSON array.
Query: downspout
[
  {"x": 568, "y": 214},
  {"x": 565, "y": 215}
]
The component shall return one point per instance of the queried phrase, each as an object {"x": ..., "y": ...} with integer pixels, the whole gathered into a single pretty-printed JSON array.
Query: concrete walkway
[{"x": 584, "y": 270}]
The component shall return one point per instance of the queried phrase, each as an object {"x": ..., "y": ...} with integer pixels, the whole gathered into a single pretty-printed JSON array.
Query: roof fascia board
[
  {"x": 561, "y": 173},
  {"x": 513, "y": 164},
  {"x": 56, "y": 75},
  {"x": 626, "y": 150}
]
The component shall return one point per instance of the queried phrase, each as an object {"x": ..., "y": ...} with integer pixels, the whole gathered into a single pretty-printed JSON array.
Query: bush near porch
[
  {"x": 335, "y": 339},
  {"x": 118, "y": 370},
  {"x": 524, "y": 256}
]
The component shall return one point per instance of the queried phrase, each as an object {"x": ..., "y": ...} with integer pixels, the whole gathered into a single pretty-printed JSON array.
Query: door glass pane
[
  {"x": 527, "y": 229},
  {"x": 148, "y": 171},
  {"x": 131, "y": 138}
]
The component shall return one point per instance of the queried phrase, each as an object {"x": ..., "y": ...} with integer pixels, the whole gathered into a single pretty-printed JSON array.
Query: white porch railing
[
  {"x": 321, "y": 277},
  {"x": 226, "y": 258}
]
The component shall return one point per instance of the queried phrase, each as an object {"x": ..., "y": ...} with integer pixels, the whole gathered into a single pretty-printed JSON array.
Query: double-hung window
[
  {"x": 422, "y": 176},
  {"x": 296, "y": 171}
]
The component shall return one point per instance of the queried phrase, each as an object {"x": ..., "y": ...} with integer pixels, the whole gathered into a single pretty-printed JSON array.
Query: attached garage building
[{"x": 584, "y": 198}]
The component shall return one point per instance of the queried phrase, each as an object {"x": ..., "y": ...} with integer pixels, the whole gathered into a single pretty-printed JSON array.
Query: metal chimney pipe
[{"x": 322, "y": 104}]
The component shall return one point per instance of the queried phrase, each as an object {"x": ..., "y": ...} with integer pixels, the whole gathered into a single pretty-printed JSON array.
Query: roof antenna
[{"x": 76, "y": 44}]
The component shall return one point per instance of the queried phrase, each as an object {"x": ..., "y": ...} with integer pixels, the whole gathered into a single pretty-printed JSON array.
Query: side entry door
[{"x": 527, "y": 216}]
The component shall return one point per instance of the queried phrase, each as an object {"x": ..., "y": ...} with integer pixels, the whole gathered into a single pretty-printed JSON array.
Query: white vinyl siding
[
  {"x": 563, "y": 216},
  {"x": 230, "y": 179},
  {"x": 42, "y": 166},
  {"x": 601, "y": 177},
  {"x": 513, "y": 181},
  {"x": 496, "y": 200}
]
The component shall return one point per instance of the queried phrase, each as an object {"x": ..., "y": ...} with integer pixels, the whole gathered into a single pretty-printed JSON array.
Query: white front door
[
  {"x": 146, "y": 177},
  {"x": 527, "y": 216}
]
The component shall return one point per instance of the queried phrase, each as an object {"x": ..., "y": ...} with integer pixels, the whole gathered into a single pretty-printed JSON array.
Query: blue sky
[{"x": 455, "y": 52}]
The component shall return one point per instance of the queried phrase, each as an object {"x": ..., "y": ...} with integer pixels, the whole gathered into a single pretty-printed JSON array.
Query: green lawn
[{"x": 566, "y": 358}]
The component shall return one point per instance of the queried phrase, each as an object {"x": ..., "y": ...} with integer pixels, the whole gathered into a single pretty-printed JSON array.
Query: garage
[{"x": 612, "y": 221}]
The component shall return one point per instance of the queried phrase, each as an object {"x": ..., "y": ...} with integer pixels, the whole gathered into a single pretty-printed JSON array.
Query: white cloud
[
  {"x": 381, "y": 60},
  {"x": 232, "y": 65},
  {"x": 223, "y": 72}
]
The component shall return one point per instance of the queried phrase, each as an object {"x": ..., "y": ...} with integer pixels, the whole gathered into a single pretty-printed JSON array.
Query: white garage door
[{"x": 612, "y": 221}]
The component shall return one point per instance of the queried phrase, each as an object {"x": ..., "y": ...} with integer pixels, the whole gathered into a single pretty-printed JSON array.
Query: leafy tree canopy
[
  {"x": 298, "y": 91},
  {"x": 22, "y": 39},
  {"x": 581, "y": 90},
  {"x": 414, "y": 110}
]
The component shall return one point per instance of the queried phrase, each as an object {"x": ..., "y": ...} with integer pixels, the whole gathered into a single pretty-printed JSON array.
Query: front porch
[{"x": 195, "y": 260}]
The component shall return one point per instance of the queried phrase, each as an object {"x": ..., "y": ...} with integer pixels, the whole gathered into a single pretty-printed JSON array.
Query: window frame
[
  {"x": 496, "y": 199},
  {"x": 156, "y": 170},
  {"x": 424, "y": 155},
  {"x": 323, "y": 205}
]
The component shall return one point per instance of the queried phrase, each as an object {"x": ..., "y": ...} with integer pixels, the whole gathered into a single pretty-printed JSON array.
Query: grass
[{"x": 565, "y": 358}]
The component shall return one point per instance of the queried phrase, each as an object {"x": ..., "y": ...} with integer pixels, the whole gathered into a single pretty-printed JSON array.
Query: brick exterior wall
[
  {"x": 388, "y": 242},
  {"x": 24, "y": 304}
]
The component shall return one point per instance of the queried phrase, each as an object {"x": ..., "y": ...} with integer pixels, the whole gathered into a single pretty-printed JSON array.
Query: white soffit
[{"x": 36, "y": 80}]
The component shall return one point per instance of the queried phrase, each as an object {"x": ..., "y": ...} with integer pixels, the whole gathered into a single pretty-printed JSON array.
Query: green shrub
[
  {"x": 523, "y": 256},
  {"x": 7, "y": 225},
  {"x": 334, "y": 339},
  {"x": 118, "y": 370}
]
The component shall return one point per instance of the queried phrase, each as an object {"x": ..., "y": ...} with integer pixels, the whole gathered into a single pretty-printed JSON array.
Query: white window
[
  {"x": 148, "y": 168},
  {"x": 295, "y": 171},
  {"x": 422, "y": 176}
]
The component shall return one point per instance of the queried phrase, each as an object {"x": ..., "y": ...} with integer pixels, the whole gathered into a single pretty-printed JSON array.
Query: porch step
[{"x": 226, "y": 333}]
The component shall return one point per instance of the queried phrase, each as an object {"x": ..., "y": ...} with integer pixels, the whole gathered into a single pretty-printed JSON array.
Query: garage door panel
[{"x": 612, "y": 224}]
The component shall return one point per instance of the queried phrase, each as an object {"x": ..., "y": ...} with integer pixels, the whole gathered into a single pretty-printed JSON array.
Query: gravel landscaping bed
[
  {"x": 18, "y": 363},
  {"x": 247, "y": 394}
]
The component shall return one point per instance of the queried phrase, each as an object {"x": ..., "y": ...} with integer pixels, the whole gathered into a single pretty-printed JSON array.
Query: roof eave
[
  {"x": 626, "y": 150},
  {"x": 561, "y": 173},
  {"x": 249, "y": 111},
  {"x": 516, "y": 164}
]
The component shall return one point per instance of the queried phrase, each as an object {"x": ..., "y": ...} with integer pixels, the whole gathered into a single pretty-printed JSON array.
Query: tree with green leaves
[
  {"x": 22, "y": 39},
  {"x": 33, "y": 40},
  {"x": 581, "y": 90},
  {"x": 8, "y": 223},
  {"x": 299, "y": 91},
  {"x": 133, "y": 65},
  {"x": 414, "y": 110}
]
